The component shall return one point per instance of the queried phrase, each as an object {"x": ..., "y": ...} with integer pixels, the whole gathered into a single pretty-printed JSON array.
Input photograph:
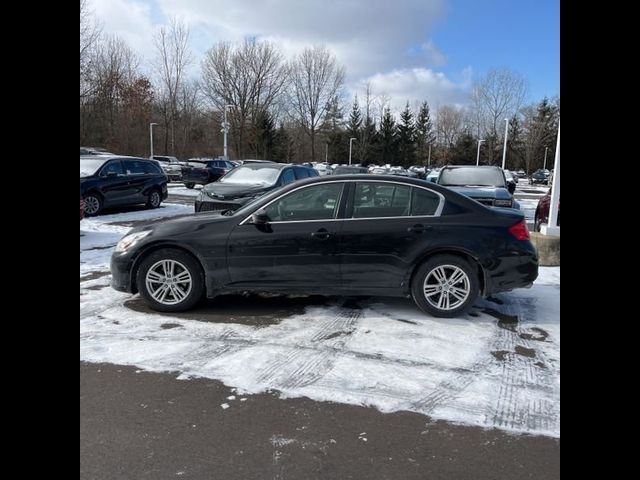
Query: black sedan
[
  {"x": 353, "y": 235},
  {"x": 248, "y": 182},
  {"x": 109, "y": 181},
  {"x": 202, "y": 171}
]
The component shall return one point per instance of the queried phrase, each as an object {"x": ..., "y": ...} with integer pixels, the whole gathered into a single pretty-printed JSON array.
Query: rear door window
[
  {"x": 134, "y": 167},
  {"x": 373, "y": 200},
  {"x": 424, "y": 202}
]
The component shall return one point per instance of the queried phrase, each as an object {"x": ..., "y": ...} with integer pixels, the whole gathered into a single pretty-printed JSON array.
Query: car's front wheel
[
  {"x": 92, "y": 204},
  {"x": 170, "y": 280},
  {"x": 445, "y": 286}
]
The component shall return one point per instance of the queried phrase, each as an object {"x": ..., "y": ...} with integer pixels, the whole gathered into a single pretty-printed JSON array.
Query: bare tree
[
  {"x": 173, "y": 58},
  {"x": 449, "y": 125},
  {"x": 250, "y": 77},
  {"x": 496, "y": 96},
  {"x": 89, "y": 36},
  {"x": 316, "y": 78}
]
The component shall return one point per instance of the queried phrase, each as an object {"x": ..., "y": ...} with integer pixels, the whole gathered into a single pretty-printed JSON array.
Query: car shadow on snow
[{"x": 256, "y": 310}]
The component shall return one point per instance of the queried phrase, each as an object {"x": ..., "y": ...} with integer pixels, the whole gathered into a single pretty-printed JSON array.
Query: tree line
[{"x": 290, "y": 110}]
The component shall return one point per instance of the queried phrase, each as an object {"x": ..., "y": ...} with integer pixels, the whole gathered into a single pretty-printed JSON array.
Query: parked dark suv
[
  {"x": 247, "y": 182},
  {"x": 108, "y": 181},
  {"x": 202, "y": 171},
  {"x": 485, "y": 184}
]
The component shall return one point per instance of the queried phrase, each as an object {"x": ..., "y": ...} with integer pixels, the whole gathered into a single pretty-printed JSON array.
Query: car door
[
  {"x": 296, "y": 248},
  {"x": 138, "y": 178},
  {"x": 387, "y": 226},
  {"x": 115, "y": 183}
]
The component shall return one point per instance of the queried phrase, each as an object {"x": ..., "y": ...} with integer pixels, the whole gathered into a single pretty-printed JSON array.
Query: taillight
[{"x": 520, "y": 231}]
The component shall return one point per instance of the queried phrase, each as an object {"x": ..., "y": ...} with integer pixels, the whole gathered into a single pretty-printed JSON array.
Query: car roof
[
  {"x": 110, "y": 156},
  {"x": 368, "y": 177},
  {"x": 274, "y": 165},
  {"x": 472, "y": 166}
]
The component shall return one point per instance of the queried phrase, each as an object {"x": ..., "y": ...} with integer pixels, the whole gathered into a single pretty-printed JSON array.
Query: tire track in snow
[{"x": 304, "y": 366}]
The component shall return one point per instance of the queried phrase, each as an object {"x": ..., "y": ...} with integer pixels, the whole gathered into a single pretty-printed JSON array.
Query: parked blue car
[{"x": 485, "y": 184}]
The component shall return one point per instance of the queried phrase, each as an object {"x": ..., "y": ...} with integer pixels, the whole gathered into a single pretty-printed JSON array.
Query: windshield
[
  {"x": 90, "y": 166},
  {"x": 471, "y": 176},
  {"x": 252, "y": 176}
]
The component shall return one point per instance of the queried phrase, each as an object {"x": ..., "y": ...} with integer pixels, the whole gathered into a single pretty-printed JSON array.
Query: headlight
[
  {"x": 129, "y": 240},
  {"x": 503, "y": 203}
]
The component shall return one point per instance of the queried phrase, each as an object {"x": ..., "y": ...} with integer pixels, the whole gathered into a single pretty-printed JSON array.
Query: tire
[
  {"x": 190, "y": 185},
  {"x": 153, "y": 286},
  {"x": 452, "y": 267},
  {"x": 154, "y": 199},
  {"x": 93, "y": 204}
]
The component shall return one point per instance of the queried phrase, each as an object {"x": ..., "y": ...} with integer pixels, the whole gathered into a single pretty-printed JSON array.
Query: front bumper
[{"x": 121, "y": 266}]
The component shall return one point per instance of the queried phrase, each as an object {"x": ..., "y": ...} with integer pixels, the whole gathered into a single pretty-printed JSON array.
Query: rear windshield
[
  {"x": 263, "y": 175},
  {"x": 470, "y": 176}
]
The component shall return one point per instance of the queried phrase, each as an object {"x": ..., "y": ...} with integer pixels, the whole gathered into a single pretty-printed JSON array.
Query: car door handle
[
  {"x": 419, "y": 228},
  {"x": 321, "y": 234}
]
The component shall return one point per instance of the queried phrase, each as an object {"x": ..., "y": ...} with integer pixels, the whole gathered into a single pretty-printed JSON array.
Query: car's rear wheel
[
  {"x": 190, "y": 185},
  {"x": 445, "y": 286},
  {"x": 92, "y": 204},
  {"x": 170, "y": 280},
  {"x": 154, "y": 199}
]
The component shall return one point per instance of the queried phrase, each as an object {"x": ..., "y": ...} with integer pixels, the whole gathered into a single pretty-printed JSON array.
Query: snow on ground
[
  {"x": 496, "y": 367},
  {"x": 99, "y": 235},
  {"x": 180, "y": 189},
  {"x": 528, "y": 207}
]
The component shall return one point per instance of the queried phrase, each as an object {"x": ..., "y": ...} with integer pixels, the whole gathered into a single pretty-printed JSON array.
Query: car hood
[
  {"x": 228, "y": 191},
  {"x": 499, "y": 193},
  {"x": 188, "y": 223}
]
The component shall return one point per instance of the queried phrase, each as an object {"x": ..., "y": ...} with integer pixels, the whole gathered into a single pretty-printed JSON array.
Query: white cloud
[
  {"x": 414, "y": 85},
  {"x": 366, "y": 36},
  {"x": 130, "y": 20},
  {"x": 385, "y": 43}
]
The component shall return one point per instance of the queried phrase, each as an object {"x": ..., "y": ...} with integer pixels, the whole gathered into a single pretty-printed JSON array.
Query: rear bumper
[{"x": 518, "y": 268}]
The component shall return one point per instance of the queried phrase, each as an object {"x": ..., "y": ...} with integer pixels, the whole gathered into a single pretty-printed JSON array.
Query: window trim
[{"x": 351, "y": 194}]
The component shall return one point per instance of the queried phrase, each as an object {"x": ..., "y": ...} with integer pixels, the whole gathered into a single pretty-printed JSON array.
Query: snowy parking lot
[{"x": 497, "y": 366}]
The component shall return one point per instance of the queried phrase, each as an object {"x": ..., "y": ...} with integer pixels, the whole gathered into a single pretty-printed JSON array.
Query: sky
[{"x": 408, "y": 50}]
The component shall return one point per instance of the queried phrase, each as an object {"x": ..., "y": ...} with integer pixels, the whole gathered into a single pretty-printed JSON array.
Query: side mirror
[
  {"x": 259, "y": 217},
  {"x": 511, "y": 186}
]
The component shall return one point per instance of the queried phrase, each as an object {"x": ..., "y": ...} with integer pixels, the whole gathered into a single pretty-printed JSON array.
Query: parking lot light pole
[
  {"x": 225, "y": 129},
  {"x": 478, "y": 156},
  {"x": 552, "y": 227},
  {"x": 545, "y": 158},
  {"x": 351, "y": 143},
  {"x": 429, "y": 158},
  {"x": 504, "y": 150},
  {"x": 151, "y": 125}
]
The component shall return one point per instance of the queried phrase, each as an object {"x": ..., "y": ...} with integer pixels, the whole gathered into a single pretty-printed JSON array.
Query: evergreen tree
[
  {"x": 368, "y": 142},
  {"x": 515, "y": 146},
  {"x": 464, "y": 150},
  {"x": 425, "y": 136},
  {"x": 333, "y": 133},
  {"x": 283, "y": 146},
  {"x": 406, "y": 138},
  {"x": 387, "y": 138},
  {"x": 354, "y": 128},
  {"x": 263, "y": 140}
]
